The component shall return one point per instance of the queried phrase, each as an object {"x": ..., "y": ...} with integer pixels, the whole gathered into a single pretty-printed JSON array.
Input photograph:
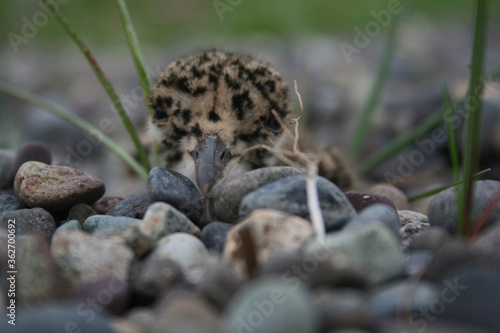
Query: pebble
[
  {"x": 289, "y": 195},
  {"x": 38, "y": 279},
  {"x": 271, "y": 305},
  {"x": 97, "y": 223},
  {"x": 110, "y": 294},
  {"x": 85, "y": 258},
  {"x": 402, "y": 298},
  {"x": 393, "y": 193},
  {"x": 135, "y": 206},
  {"x": 186, "y": 313},
  {"x": 272, "y": 232},
  {"x": 342, "y": 309},
  {"x": 150, "y": 276},
  {"x": 104, "y": 205},
  {"x": 220, "y": 282},
  {"x": 214, "y": 235},
  {"x": 450, "y": 257},
  {"x": 176, "y": 190},
  {"x": 69, "y": 225},
  {"x": 186, "y": 250},
  {"x": 361, "y": 200},
  {"x": 162, "y": 219},
  {"x": 55, "y": 188},
  {"x": 30, "y": 151},
  {"x": 131, "y": 235},
  {"x": 442, "y": 210},
  {"x": 371, "y": 247},
  {"x": 80, "y": 212},
  {"x": 315, "y": 270},
  {"x": 432, "y": 239},
  {"x": 376, "y": 212},
  {"x": 59, "y": 317},
  {"x": 36, "y": 220},
  {"x": 225, "y": 205},
  {"x": 410, "y": 230},
  {"x": 9, "y": 202},
  {"x": 408, "y": 216},
  {"x": 488, "y": 243},
  {"x": 6, "y": 158}
]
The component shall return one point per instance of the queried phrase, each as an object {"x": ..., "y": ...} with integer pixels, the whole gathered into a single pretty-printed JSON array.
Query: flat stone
[
  {"x": 97, "y": 223},
  {"x": 272, "y": 231},
  {"x": 30, "y": 151},
  {"x": 55, "y": 188},
  {"x": 85, "y": 258},
  {"x": 176, "y": 190},
  {"x": 371, "y": 247},
  {"x": 225, "y": 205},
  {"x": 214, "y": 235},
  {"x": 9, "y": 202},
  {"x": 443, "y": 208},
  {"x": 288, "y": 309},
  {"x": 36, "y": 220},
  {"x": 135, "y": 206},
  {"x": 289, "y": 195},
  {"x": 186, "y": 250}
]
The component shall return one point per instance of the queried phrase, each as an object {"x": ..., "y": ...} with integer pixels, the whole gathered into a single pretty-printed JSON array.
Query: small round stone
[
  {"x": 185, "y": 249},
  {"x": 55, "y": 188},
  {"x": 272, "y": 231},
  {"x": 135, "y": 206},
  {"x": 97, "y": 223},
  {"x": 176, "y": 190},
  {"x": 443, "y": 208},
  {"x": 9, "y": 202},
  {"x": 36, "y": 220},
  {"x": 360, "y": 200},
  {"x": 31, "y": 151},
  {"x": 214, "y": 235},
  {"x": 80, "y": 212},
  {"x": 69, "y": 225},
  {"x": 85, "y": 258},
  {"x": 162, "y": 219},
  {"x": 272, "y": 305},
  {"x": 289, "y": 195},
  {"x": 225, "y": 206}
]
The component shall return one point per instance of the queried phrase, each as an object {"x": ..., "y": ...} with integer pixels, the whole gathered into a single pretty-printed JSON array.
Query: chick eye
[
  {"x": 273, "y": 125},
  {"x": 160, "y": 114}
]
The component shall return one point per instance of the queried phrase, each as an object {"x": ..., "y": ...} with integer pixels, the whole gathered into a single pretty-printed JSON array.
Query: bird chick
[{"x": 210, "y": 107}]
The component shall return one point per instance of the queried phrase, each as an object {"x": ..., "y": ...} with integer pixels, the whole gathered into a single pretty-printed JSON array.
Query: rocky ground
[{"x": 97, "y": 250}]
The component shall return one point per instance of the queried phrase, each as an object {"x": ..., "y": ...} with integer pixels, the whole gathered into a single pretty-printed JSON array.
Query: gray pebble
[
  {"x": 225, "y": 205},
  {"x": 443, "y": 208},
  {"x": 376, "y": 212},
  {"x": 55, "y": 188},
  {"x": 36, "y": 220},
  {"x": 270, "y": 305},
  {"x": 80, "y": 212},
  {"x": 176, "y": 190},
  {"x": 372, "y": 247},
  {"x": 214, "y": 235},
  {"x": 409, "y": 231},
  {"x": 9, "y": 202},
  {"x": 135, "y": 206},
  {"x": 152, "y": 275},
  {"x": 69, "y": 225},
  {"x": 162, "y": 219},
  {"x": 97, "y": 223},
  {"x": 488, "y": 243},
  {"x": 289, "y": 195}
]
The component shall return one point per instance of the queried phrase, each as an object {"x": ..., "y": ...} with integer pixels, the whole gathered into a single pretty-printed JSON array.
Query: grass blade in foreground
[
  {"x": 105, "y": 83},
  {"x": 133, "y": 44},
  {"x": 77, "y": 122},
  {"x": 474, "y": 105}
]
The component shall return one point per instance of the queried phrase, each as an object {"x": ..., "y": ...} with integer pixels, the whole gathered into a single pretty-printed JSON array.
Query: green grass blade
[
  {"x": 364, "y": 121},
  {"x": 440, "y": 189},
  {"x": 474, "y": 105},
  {"x": 453, "y": 150},
  {"x": 76, "y": 121},
  {"x": 133, "y": 44},
  {"x": 105, "y": 83}
]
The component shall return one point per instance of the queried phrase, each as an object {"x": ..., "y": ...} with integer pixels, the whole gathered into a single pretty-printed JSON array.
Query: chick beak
[{"x": 210, "y": 158}]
